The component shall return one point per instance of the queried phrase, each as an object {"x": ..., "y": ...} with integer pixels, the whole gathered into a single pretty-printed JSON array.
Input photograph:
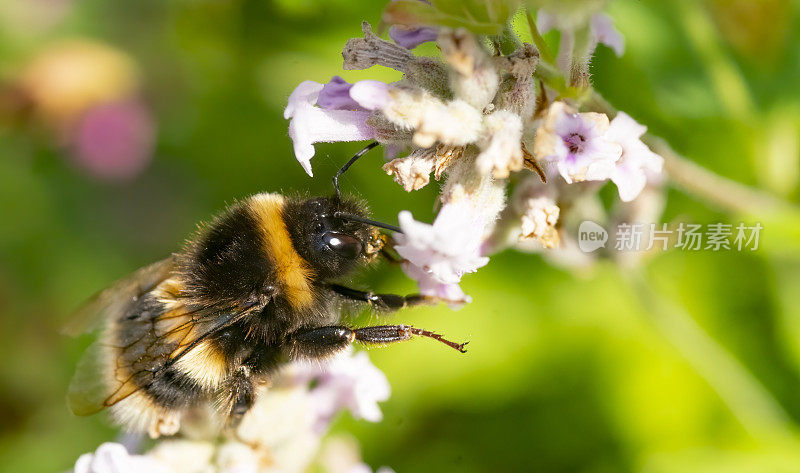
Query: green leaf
[{"x": 479, "y": 16}]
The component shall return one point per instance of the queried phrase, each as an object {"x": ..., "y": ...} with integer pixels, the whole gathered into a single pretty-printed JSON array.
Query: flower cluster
[
  {"x": 282, "y": 432},
  {"x": 471, "y": 118}
]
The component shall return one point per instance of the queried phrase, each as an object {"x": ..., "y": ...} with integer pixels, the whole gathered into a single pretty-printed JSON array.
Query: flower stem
[
  {"x": 538, "y": 40},
  {"x": 749, "y": 401}
]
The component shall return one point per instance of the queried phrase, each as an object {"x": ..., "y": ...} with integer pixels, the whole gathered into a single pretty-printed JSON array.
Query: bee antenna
[
  {"x": 374, "y": 223},
  {"x": 350, "y": 163}
]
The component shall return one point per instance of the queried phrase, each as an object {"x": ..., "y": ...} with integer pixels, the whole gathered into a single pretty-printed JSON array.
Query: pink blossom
[
  {"x": 114, "y": 141},
  {"x": 346, "y": 381},
  {"x": 336, "y": 111},
  {"x": 437, "y": 255},
  {"x": 637, "y": 162}
]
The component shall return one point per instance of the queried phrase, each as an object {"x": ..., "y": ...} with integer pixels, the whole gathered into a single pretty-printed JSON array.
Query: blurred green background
[{"x": 696, "y": 372}]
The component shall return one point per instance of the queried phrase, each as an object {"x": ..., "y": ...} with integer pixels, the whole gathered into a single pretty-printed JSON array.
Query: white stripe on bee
[
  {"x": 204, "y": 364},
  {"x": 138, "y": 414}
]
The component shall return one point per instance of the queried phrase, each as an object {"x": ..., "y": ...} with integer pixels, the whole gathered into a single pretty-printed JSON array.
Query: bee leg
[
  {"x": 387, "y": 245},
  {"x": 324, "y": 341},
  {"x": 383, "y": 334},
  {"x": 166, "y": 424},
  {"x": 386, "y": 302},
  {"x": 240, "y": 393},
  {"x": 391, "y": 256}
]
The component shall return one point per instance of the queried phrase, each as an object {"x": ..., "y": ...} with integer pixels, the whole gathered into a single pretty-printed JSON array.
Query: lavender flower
[
  {"x": 637, "y": 162},
  {"x": 577, "y": 144}
]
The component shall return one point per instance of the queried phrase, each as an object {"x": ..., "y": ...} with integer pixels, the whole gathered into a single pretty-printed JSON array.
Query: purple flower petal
[
  {"x": 335, "y": 95},
  {"x": 410, "y": 38}
]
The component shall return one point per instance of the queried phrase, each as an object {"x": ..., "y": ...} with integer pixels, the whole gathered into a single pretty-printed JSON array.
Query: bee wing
[
  {"x": 114, "y": 299},
  {"x": 114, "y": 368},
  {"x": 89, "y": 387}
]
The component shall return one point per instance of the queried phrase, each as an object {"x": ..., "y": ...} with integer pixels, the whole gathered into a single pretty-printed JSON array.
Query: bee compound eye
[{"x": 344, "y": 245}]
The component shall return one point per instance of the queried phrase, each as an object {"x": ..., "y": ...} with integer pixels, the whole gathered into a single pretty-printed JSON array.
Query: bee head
[{"x": 332, "y": 234}]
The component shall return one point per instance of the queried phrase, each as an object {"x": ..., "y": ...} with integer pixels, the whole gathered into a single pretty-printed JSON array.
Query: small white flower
[
  {"x": 501, "y": 145},
  {"x": 637, "y": 162},
  {"x": 184, "y": 455},
  {"x": 311, "y": 124},
  {"x": 346, "y": 381},
  {"x": 444, "y": 251},
  {"x": 429, "y": 285},
  {"x": 577, "y": 144},
  {"x": 114, "y": 458},
  {"x": 473, "y": 76}
]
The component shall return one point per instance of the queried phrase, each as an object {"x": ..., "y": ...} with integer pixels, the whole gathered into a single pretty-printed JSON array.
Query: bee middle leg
[
  {"x": 324, "y": 341},
  {"x": 386, "y": 302},
  {"x": 239, "y": 395}
]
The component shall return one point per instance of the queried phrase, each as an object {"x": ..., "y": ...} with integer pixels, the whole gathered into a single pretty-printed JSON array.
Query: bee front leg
[{"x": 387, "y": 302}]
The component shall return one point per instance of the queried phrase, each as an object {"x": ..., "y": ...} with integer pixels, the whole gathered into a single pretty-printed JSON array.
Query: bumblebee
[{"x": 253, "y": 290}]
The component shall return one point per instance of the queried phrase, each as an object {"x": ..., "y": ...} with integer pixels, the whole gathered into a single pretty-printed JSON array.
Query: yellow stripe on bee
[{"x": 292, "y": 270}]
